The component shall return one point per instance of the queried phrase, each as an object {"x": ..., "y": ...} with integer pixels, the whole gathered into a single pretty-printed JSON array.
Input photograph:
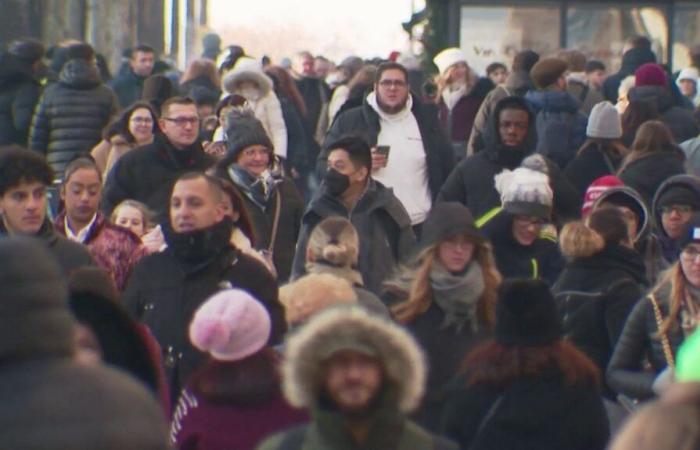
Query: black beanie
[
  {"x": 679, "y": 195},
  {"x": 447, "y": 219},
  {"x": 691, "y": 232},
  {"x": 525, "y": 60},
  {"x": 34, "y": 317},
  {"x": 526, "y": 314},
  {"x": 243, "y": 131}
]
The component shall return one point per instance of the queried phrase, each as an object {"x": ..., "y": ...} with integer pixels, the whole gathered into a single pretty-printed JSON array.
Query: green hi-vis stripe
[
  {"x": 488, "y": 216},
  {"x": 535, "y": 268}
]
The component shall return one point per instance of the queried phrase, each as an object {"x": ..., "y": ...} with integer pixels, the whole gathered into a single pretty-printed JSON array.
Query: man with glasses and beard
[{"x": 147, "y": 174}]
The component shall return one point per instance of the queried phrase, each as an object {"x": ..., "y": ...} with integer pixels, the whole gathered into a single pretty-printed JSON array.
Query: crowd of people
[{"x": 303, "y": 255}]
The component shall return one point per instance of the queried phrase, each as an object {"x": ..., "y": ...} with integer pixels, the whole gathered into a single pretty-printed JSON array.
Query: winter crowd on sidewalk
[{"x": 369, "y": 255}]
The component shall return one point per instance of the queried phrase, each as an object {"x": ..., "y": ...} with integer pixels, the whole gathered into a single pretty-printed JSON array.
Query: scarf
[
  {"x": 451, "y": 96},
  {"x": 690, "y": 310},
  {"x": 197, "y": 248},
  {"x": 458, "y": 295},
  {"x": 258, "y": 189}
]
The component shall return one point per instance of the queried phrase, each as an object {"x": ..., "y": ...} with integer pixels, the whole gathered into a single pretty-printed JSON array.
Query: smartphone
[{"x": 383, "y": 150}]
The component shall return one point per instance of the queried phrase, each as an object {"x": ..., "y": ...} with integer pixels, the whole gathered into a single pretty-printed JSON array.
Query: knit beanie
[
  {"x": 312, "y": 294},
  {"x": 28, "y": 50},
  {"x": 243, "y": 131},
  {"x": 526, "y": 314},
  {"x": 230, "y": 326},
  {"x": 525, "y": 192},
  {"x": 449, "y": 57},
  {"x": 34, "y": 317},
  {"x": 525, "y": 60},
  {"x": 547, "y": 71},
  {"x": 688, "y": 359},
  {"x": 596, "y": 189},
  {"x": 650, "y": 74},
  {"x": 691, "y": 232},
  {"x": 679, "y": 194},
  {"x": 604, "y": 122},
  {"x": 448, "y": 219}
]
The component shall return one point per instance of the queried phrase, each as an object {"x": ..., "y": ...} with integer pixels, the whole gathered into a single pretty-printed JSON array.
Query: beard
[{"x": 391, "y": 109}]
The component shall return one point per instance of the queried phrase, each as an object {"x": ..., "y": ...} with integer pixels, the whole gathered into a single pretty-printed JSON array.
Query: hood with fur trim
[
  {"x": 626, "y": 191},
  {"x": 338, "y": 328},
  {"x": 247, "y": 69}
]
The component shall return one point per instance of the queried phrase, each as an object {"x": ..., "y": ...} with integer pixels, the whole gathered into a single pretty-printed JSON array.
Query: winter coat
[
  {"x": 645, "y": 175},
  {"x": 582, "y": 92},
  {"x": 70, "y": 255},
  {"x": 365, "y": 121},
  {"x": 612, "y": 281},
  {"x": 679, "y": 120},
  {"x": 561, "y": 128},
  {"x": 534, "y": 413},
  {"x": 201, "y": 424},
  {"x": 316, "y": 95},
  {"x": 263, "y": 218},
  {"x": 590, "y": 164},
  {"x": 165, "y": 289},
  {"x": 631, "y": 61},
  {"x": 71, "y": 114},
  {"x": 115, "y": 249},
  {"x": 517, "y": 84},
  {"x": 128, "y": 87},
  {"x": 691, "y": 148},
  {"x": 19, "y": 94},
  {"x": 541, "y": 259},
  {"x": 638, "y": 343},
  {"x": 668, "y": 247},
  {"x": 386, "y": 236},
  {"x": 457, "y": 123},
  {"x": 148, "y": 173},
  {"x": 299, "y": 154},
  {"x": 200, "y": 87}
]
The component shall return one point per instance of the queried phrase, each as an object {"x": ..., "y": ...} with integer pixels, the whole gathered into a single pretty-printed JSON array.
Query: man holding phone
[{"x": 410, "y": 154}]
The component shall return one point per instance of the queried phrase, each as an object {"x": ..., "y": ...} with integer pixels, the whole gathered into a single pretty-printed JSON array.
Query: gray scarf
[{"x": 458, "y": 295}]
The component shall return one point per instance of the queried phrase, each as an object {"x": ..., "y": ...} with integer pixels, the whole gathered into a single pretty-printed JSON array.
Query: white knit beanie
[
  {"x": 525, "y": 192},
  {"x": 449, "y": 57},
  {"x": 604, "y": 122}
]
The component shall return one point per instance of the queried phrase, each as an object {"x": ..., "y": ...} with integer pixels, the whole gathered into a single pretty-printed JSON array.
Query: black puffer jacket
[
  {"x": 127, "y": 86},
  {"x": 609, "y": 283},
  {"x": 364, "y": 120},
  {"x": 631, "y": 61},
  {"x": 646, "y": 174},
  {"x": 589, "y": 164},
  {"x": 382, "y": 223},
  {"x": 19, "y": 93},
  {"x": 679, "y": 120},
  {"x": 638, "y": 343},
  {"x": 71, "y": 114}
]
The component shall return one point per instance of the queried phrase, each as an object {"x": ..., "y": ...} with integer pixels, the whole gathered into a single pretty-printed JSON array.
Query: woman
[
  {"x": 603, "y": 279},
  {"x": 274, "y": 204},
  {"x": 248, "y": 80},
  {"x": 527, "y": 388},
  {"x": 460, "y": 94},
  {"x": 136, "y": 127},
  {"x": 659, "y": 323},
  {"x": 602, "y": 152},
  {"x": 234, "y": 400},
  {"x": 446, "y": 296},
  {"x": 358, "y": 88},
  {"x": 133, "y": 215},
  {"x": 636, "y": 113},
  {"x": 201, "y": 75},
  {"x": 654, "y": 157}
]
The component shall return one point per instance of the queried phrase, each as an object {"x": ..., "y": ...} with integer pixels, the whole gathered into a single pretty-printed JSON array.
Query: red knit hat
[
  {"x": 595, "y": 190},
  {"x": 650, "y": 74}
]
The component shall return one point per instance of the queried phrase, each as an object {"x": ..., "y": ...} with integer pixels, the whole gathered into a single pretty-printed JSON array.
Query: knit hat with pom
[
  {"x": 448, "y": 58},
  {"x": 230, "y": 326},
  {"x": 525, "y": 192}
]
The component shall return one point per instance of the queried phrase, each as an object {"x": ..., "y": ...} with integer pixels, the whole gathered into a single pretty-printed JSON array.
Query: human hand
[{"x": 379, "y": 160}]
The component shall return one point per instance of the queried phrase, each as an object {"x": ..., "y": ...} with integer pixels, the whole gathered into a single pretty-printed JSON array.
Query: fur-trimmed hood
[
  {"x": 341, "y": 327},
  {"x": 247, "y": 69}
]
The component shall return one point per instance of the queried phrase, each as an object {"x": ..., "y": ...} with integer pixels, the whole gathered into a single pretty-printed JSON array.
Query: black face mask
[{"x": 336, "y": 182}]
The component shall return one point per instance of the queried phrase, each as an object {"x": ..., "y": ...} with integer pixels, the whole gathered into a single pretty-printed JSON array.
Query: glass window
[
  {"x": 686, "y": 30},
  {"x": 494, "y": 33},
  {"x": 600, "y": 31}
]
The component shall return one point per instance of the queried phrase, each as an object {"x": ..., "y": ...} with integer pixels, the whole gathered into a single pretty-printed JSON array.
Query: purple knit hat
[
  {"x": 230, "y": 326},
  {"x": 650, "y": 74}
]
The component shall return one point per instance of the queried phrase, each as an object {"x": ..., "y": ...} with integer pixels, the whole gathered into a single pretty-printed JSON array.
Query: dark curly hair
[{"x": 20, "y": 165}]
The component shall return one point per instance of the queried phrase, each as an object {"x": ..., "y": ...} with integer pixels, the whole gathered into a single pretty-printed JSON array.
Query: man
[
  {"x": 166, "y": 288},
  {"x": 115, "y": 249},
  {"x": 411, "y": 154},
  {"x": 561, "y": 128},
  {"x": 595, "y": 74},
  {"x": 315, "y": 93},
  {"x": 687, "y": 83},
  {"x": 147, "y": 174},
  {"x": 20, "y": 69},
  {"x": 577, "y": 83},
  {"x": 636, "y": 52},
  {"x": 675, "y": 202},
  {"x": 497, "y": 73},
  {"x": 72, "y": 113},
  {"x": 359, "y": 376},
  {"x": 381, "y": 221},
  {"x": 24, "y": 177},
  {"x": 66, "y": 403},
  {"x": 129, "y": 85}
]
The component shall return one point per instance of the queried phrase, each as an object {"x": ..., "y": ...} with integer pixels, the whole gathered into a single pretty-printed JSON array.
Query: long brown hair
[
  {"x": 652, "y": 137},
  {"x": 285, "y": 84},
  {"x": 499, "y": 365},
  {"x": 201, "y": 67},
  {"x": 614, "y": 148},
  {"x": 420, "y": 296},
  {"x": 674, "y": 275}
]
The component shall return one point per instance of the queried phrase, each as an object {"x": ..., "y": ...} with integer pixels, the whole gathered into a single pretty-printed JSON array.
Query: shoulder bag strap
[
  {"x": 668, "y": 354},
  {"x": 487, "y": 418},
  {"x": 275, "y": 224}
]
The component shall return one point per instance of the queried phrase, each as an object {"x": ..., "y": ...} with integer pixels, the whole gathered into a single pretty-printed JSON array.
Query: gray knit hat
[
  {"x": 243, "y": 131},
  {"x": 604, "y": 122}
]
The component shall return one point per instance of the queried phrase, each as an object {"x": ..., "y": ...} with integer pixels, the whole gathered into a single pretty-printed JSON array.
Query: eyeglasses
[
  {"x": 386, "y": 84},
  {"x": 680, "y": 209},
  {"x": 141, "y": 120},
  {"x": 180, "y": 121},
  {"x": 690, "y": 254}
]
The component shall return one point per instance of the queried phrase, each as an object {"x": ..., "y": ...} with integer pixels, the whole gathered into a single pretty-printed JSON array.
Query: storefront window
[
  {"x": 686, "y": 29},
  {"x": 491, "y": 34},
  {"x": 600, "y": 31}
]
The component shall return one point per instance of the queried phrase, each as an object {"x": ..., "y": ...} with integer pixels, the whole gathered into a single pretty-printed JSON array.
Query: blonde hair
[
  {"x": 674, "y": 275},
  {"x": 313, "y": 293},
  {"x": 335, "y": 240},
  {"x": 578, "y": 241},
  {"x": 420, "y": 294},
  {"x": 661, "y": 426},
  {"x": 146, "y": 214},
  {"x": 445, "y": 80}
]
